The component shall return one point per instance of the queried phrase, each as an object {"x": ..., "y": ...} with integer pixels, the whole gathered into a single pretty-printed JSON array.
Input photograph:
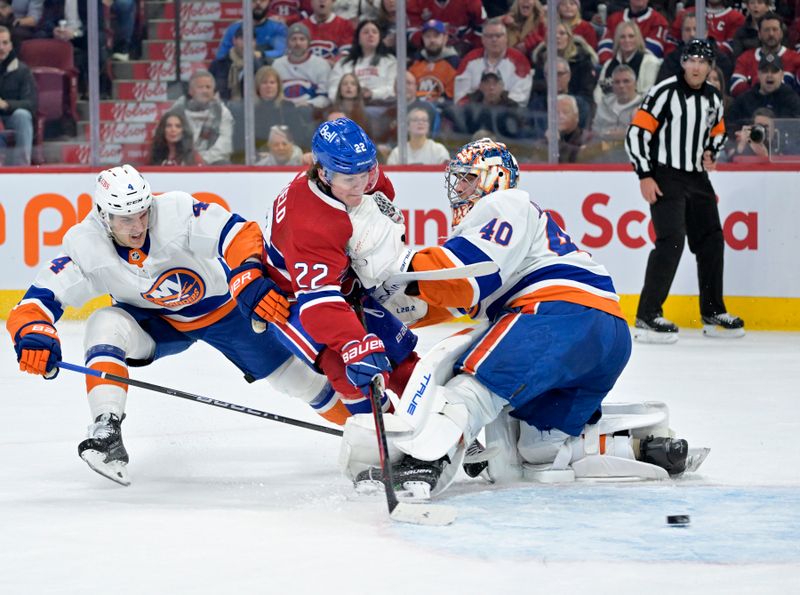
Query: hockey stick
[
  {"x": 478, "y": 269},
  {"x": 404, "y": 512},
  {"x": 199, "y": 399}
]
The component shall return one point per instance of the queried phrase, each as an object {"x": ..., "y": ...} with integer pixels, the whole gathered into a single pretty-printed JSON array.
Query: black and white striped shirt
[{"x": 674, "y": 126}]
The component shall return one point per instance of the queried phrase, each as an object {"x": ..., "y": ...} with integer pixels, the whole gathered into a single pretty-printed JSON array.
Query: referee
[{"x": 673, "y": 140}]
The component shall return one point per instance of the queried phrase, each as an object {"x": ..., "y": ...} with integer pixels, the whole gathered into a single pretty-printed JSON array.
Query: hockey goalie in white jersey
[
  {"x": 552, "y": 344},
  {"x": 176, "y": 269}
]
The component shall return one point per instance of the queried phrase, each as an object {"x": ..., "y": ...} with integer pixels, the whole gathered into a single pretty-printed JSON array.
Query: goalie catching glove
[
  {"x": 38, "y": 349},
  {"x": 257, "y": 297},
  {"x": 365, "y": 359}
]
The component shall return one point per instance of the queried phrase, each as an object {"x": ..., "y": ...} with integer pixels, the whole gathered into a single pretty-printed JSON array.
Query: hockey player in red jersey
[{"x": 307, "y": 254}]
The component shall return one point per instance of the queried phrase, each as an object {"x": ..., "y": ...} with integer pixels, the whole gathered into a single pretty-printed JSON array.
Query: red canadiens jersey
[
  {"x": 306, "y": 256},
  {"x": 288, "y": 11},
  {"x": 745, "y": 73},
  {"x": 721, "y": 26},
  {"x": 461, "y": 17},
  {"x": 332, "y": 39},
  {"x": 653, "y": 26}
]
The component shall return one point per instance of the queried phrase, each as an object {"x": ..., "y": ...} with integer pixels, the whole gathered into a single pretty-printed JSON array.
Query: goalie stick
[
  {"x": 477, "y": 269},
  {"x": 404, "y": 512},
  {"x": 199, "y": 399}
]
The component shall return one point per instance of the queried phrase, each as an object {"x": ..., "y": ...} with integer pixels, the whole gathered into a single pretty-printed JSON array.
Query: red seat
[
  {"x": 54, "y": 54},
  {"x": 51, "y": 105}
]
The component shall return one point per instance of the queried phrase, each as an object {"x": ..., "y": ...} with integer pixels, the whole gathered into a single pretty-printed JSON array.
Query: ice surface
[{"x": 226, "y": 503}]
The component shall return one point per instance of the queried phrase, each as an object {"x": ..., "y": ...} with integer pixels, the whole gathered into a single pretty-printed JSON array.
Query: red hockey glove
[{"x": 363, "y": 360}]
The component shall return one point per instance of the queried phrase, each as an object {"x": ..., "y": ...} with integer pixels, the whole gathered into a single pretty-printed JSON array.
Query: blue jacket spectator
[{"x": 270, "y": 35}]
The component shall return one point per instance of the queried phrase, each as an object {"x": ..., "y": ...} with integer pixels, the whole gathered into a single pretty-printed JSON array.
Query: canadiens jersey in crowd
[
  {"x": 538, "y": 262},
  {"x": 653, "y": 26},
  {"x": 179, "y": 272}
]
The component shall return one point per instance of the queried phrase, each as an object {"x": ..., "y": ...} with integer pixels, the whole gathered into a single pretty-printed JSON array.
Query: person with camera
[
  {"x": 770, "y": 92},
  {"x": 672, "y": 142},
  {"x": 753, "y": 142}
]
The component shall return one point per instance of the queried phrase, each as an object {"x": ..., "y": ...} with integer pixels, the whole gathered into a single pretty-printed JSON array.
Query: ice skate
[
  {"x": 655, "y": 330},
  {"x": 668, "y": 453},
  {"x": 413, "y": 479},
  {"x": 103, "y": 449},
  {"x": 724, "y": 325}
]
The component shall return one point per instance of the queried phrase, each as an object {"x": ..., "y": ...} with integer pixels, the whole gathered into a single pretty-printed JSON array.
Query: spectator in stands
[
  {"x": 722, "y": 23},
  {"x": 463, "y": 20},
  {"x": 581, "y": 59},
  {"x": 614, "y": 114},
  {"x": 569, "y": 11},
  {"x": 716, "y": 78},
  {"x": 749, "y": 146},
  {"x": 384, "y": 129},
  {"x": 422, "y": 150},
  {"x": 287, "y": 12},
  {"x": 304, "y": 75},
  {"x": 210, "y": 120},
  {"x": 75, "y": 13},
  {"x": 526, "y": 25},
  {"x": 6, "y": 14},
  {"x": 511, "y": 66},
  {"x": 272, "y": 109},
  {"x": 349, "y": 100},
  {"x": 281, "y": 148},
  {"x": 651, "y": 24},
  {"x": 331, "y": 35},
  {"x": 491, "y": 108},
  {"x": 356, "y": 10},
  {"x": 571, "y": 137},
  {"x": 746, "y": 37},
  {"x": 270, "y": 34},
  {"x": 671, "y": 65},
  {"x": 435, "y": 65},
  {"x": 27, "y": 16},
  {"x": 124, "y": 12},
  {"x": 770, "y": 34},
  {"x": 229, "y": 71},
  {"x": 538, "y": 103},
  {"x": 17, "y": 101},
  {"x": 770, "y": 92},
  {"x": 387, "y": 21},
  {"x": 173, "y": 143},
  {"x": 629, "y": 48},
  {"x": 369, "y": 59}
]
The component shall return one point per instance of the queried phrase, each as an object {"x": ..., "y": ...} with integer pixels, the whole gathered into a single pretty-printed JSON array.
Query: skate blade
[
  {"x": 412, "y": 491},
  {"x": 115, "y": 470},
  {"x": 645, "y": 336},
  {"x": 695, "y": 458},
  {"x": 718, "y": 332},
  {"x": 433, "y": 515}
]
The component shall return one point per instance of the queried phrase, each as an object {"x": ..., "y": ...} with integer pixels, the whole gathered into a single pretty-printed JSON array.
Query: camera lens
[{"x": 757, "y": 133}]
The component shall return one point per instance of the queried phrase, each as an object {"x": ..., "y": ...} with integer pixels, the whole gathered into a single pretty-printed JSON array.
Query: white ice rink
[{"x": 226, "y": 503}]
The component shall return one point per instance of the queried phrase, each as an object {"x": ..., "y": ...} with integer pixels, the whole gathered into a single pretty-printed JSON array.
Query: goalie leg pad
[{"x": 359, "y": 448}]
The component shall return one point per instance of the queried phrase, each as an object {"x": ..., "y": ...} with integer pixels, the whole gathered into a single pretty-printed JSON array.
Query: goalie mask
[
  {"x": 479, "y": 168},
  {"x": 123, "y": 199}
]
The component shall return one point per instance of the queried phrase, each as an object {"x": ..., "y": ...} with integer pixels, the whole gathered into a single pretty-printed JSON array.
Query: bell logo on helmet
[
  {"x": 327, "y": 134},
  {"x": 103, "y": 182}
]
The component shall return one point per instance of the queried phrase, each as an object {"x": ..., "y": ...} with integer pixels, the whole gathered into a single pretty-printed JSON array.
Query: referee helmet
[{"x": 698, "y": 48}]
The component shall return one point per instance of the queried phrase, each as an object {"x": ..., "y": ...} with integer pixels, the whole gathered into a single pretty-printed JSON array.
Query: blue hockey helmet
[
  {"x": 341, "y": 146},
  {"x": 493, "y": 167}
]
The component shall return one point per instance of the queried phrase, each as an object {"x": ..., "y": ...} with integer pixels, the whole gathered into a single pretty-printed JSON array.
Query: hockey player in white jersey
[
  {"x": 176, "y": 269},
  {"x": 553, "y": 343}
]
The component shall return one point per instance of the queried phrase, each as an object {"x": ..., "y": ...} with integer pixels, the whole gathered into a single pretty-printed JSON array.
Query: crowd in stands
[{"x": 474, "y": 68}]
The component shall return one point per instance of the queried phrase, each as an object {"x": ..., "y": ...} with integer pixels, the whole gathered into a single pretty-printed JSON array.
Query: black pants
[{"x": 687, "y": 209}]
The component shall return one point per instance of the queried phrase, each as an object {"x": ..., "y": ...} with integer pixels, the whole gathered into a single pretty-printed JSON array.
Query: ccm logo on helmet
[{"x": 362, "y": 349}]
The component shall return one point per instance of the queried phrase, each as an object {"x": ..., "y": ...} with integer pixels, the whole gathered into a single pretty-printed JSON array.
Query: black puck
[{"x": 678, "y": 520}]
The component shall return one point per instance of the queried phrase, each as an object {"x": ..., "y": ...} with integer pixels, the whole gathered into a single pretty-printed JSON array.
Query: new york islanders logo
[{"x": 176, "y": 288}]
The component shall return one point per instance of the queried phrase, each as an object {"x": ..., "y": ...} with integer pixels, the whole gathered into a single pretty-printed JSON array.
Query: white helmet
[{"x": 121, "y": 191}]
